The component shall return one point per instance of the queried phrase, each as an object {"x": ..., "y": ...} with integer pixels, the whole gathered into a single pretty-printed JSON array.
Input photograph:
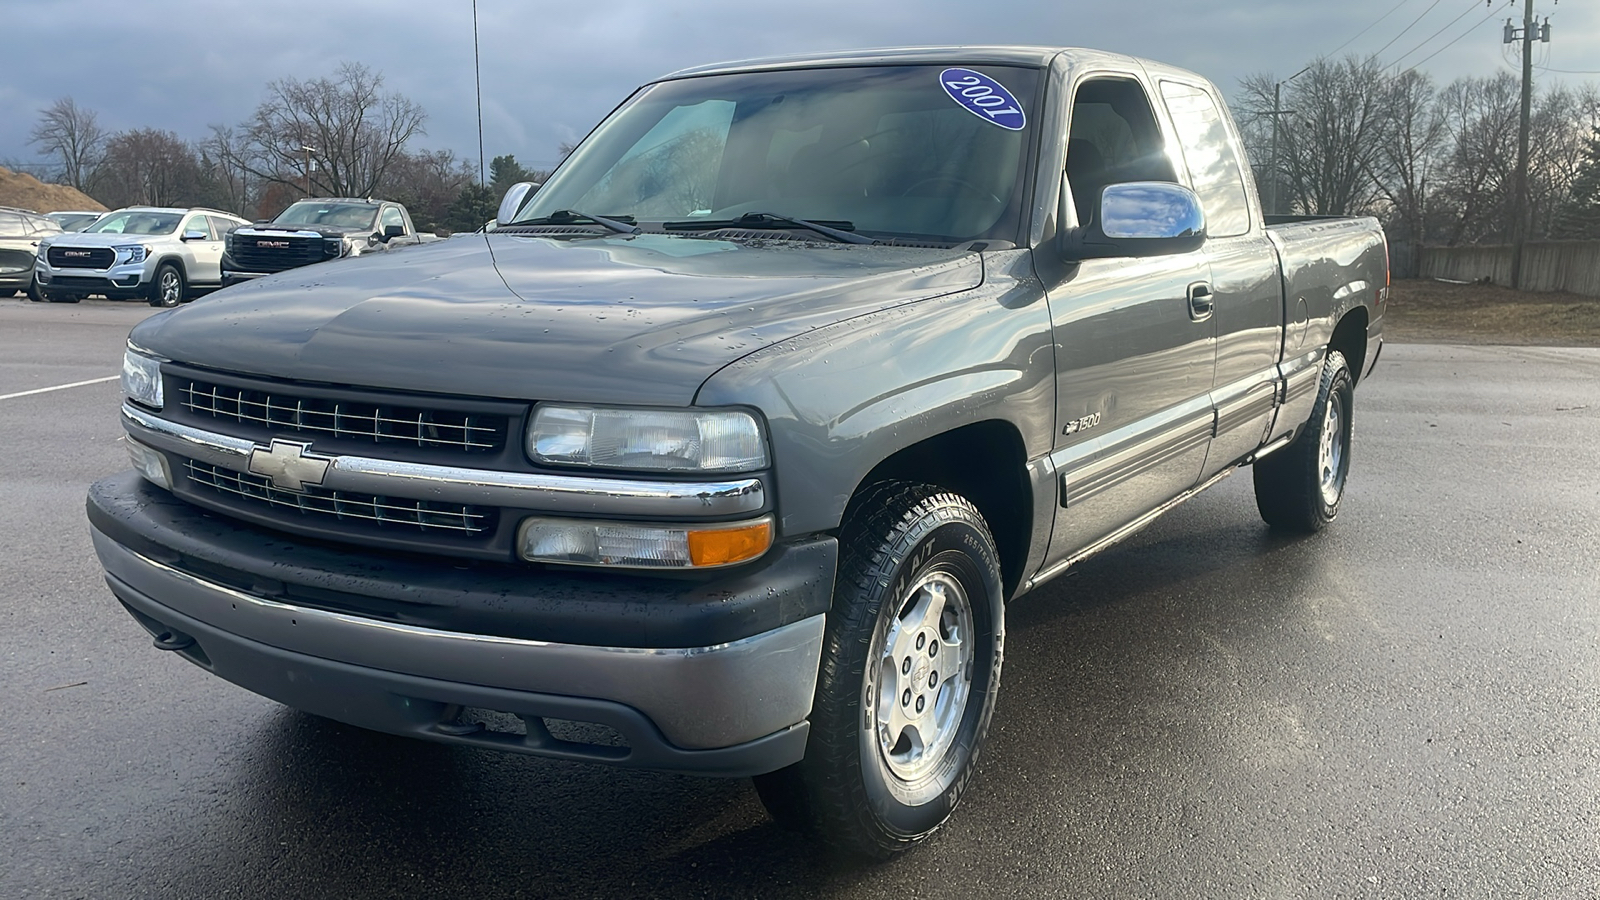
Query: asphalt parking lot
[{"x": 1403, "y": 706}]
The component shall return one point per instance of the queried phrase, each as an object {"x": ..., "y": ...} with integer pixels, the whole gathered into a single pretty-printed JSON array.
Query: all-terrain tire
[
  {"x": 1299, "y": 488},
  {"x": 909, "y": 674}
]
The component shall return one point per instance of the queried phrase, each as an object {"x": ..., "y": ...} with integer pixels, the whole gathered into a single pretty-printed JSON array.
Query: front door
[{"x": 1135, "y": 343}]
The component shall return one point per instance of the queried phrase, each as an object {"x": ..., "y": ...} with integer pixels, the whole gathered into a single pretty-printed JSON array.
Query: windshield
[
  {"x": 355, "y": 216},
  {"x": 136, "y": 221},
  {"x": 74, "y": 221},
  {"x": 888, "y": 149}
]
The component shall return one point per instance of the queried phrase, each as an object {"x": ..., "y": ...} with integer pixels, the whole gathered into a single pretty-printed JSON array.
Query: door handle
[{"x": 1199, "y": 301}]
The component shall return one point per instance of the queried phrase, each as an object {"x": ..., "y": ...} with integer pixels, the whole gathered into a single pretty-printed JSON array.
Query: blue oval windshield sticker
[{"x": 983, "y": 97}]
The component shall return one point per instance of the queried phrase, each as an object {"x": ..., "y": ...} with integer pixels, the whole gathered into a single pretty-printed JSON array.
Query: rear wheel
[
  {"x": 168, "y": 288},
  {"x": 909, "y": 674},
  {"x": 1299, "y": 487}
]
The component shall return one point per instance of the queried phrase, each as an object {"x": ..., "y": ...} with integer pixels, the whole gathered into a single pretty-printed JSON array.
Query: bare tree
[
  {"x": 1410, "y": 137},
  {"x": 355, "y": 132},
  {"x": 223, "y": 161},
  {"x": 428, "y": 182},
  {"x": 1480, "y": 116},
  {"x": 73, "y": 136},
  {"x": 148, "y": 167},
  {"x": 1329, "y": 144}
]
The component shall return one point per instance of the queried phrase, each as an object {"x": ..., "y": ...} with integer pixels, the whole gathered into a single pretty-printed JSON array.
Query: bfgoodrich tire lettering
[
  {"x": 910, "y": 670},
  {"x": 1299, "y": 488}
]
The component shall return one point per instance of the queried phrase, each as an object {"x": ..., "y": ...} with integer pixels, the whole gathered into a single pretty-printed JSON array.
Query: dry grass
[
  {"x": 1423, "y": 311},
  {"x": 28, "y": 192}
]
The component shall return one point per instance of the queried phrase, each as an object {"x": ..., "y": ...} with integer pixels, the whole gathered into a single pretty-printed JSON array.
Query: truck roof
[{"x": 1012, "y": 55}]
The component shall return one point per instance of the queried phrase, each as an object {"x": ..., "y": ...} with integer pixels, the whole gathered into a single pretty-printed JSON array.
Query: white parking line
[{"x": 59, "y": 387}]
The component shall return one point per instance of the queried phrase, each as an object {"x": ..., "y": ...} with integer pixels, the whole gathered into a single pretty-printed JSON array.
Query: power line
[
  {"x": 1369, "y": 27},
  {"x": 1407, "y": 28},
  {"x": 1475, "y": 26},
  {"x": 1470, "y": 7}
]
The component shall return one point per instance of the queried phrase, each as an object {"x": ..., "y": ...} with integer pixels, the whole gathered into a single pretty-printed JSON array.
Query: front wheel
[
  {"x": 168, "y": 288},
  {"x": 1299, "y": 487},
  {"x": 909, "y": 674}
]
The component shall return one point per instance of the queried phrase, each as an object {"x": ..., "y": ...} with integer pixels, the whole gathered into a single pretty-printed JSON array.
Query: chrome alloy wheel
[
  {"x": 916, "y": 692},
  {"x": 170, "y": 287},
  {"x": 1331, "y": 451}
]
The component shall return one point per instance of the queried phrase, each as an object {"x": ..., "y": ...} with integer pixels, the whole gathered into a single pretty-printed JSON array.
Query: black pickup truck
[
  {"x": 316, "y": 230},
  {"x": 734, "y": 442}
]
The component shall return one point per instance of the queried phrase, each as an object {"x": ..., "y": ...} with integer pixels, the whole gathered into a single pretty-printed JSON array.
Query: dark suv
[{"x": 20, "y": 232}]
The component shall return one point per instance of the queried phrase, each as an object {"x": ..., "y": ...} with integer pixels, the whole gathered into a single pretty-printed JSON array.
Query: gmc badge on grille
[
  {"x": 75, "y": 254},
  {"x": 276, "y": 245}
]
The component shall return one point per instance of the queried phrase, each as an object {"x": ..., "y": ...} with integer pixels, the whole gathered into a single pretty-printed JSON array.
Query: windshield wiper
[
  {"x": 761, "y": 220},
  {"x": 619, "y": 224}
]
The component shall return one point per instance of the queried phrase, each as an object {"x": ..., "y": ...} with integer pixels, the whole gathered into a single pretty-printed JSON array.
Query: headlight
[
  {"x": 44, "y": 247},
  {"x": 630, "y": 545},
  {"x": 132, "y": 253},
  {"x": 141, "y": 378},
  {"x": 332, "y": 247},
  {"x": 647, "y": 440}
]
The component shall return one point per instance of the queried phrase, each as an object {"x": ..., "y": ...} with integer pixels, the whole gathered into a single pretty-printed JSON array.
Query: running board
[{"x": 1134, "y": 526}]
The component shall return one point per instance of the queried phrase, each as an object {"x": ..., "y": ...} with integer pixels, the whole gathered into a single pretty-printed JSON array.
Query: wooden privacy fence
[{"x": 1546, "y": 265}]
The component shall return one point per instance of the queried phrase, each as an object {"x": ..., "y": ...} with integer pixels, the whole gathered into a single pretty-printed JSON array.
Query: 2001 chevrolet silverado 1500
[{"x": 727, "y": 451}]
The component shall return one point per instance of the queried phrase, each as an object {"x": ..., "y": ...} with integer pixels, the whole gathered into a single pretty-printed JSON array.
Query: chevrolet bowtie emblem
[{"x": 290, "y": 465}]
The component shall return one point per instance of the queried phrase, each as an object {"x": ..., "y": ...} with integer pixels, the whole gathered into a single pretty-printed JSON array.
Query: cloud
[{"x": 551, "y": 71}]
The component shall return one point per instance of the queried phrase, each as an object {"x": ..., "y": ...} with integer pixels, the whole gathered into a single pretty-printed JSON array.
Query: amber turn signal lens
[{"x": 724, "y": 546}]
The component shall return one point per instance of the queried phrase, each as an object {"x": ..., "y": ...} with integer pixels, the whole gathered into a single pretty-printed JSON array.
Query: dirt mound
[{"x": 28, "y": 192}]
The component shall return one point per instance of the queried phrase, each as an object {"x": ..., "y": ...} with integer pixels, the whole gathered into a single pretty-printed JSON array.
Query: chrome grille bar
[
  {"x": 468, "y": 432},
  {"x": 426, "y": 515}
]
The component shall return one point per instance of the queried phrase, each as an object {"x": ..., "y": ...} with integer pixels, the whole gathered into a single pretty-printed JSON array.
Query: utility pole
[
  {"x": 1278, "y": 112},
  {"x": 310, "y": 150},
  {"x": 1519, "y": 201}
]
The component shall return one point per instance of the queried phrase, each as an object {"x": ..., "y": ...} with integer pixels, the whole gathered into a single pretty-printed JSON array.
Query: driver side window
[
  {"x": 390, "y": 216},
  {"x": 197, "y": 223},
  {"x": 1114, "y": 139}
]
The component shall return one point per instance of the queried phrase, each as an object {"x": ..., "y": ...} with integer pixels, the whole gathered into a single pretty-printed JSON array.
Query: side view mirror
[
  {"x": 1140, "y": 218},
  {"x": 392, "y": 231},
  {"x": 196, "y": 236},
  {"x": 513, "y": 200}
]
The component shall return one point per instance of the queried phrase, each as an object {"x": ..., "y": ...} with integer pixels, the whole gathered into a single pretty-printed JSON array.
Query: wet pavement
[{"x": 1404, "y": 705}]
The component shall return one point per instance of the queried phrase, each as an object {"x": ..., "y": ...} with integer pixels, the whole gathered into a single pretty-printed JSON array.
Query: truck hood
[
  {"x": 637, "y": 320},
  {"x": 319, "y": 230}
]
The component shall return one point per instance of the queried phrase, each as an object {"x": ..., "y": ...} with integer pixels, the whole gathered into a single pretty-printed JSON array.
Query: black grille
[
  {"x": 375, "y": 511},
  {"x": 356, "y": 420},
  {"x": 80, "y": 281},
  {"x": 81, "y": 257},
  {"x": 275, "y": 253}
]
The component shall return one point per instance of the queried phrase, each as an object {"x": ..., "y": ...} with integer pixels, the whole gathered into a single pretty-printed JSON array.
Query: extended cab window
[
  {"x": 1114, "y": 139},
  {"x": 1208, "y": 152},
  {"x": 891, "y": 150}
]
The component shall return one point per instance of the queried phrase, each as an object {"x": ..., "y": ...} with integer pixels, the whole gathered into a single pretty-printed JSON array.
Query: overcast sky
[{"x": 552, "y": 70}]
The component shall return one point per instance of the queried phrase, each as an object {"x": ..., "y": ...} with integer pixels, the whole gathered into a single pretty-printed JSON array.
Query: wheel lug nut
[
  {"x": 905, "y": 699},
  {"x": 933, "y": 679},
  {"x": 921, "y": 639},
  {"x": 920, "y": 701},
  {"x": 905, "y": 667},
  {"x": 933, "y": 649}
]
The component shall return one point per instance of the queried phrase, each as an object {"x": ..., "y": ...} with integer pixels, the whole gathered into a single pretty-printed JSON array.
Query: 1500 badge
[{"x": 1083, "y": 424}]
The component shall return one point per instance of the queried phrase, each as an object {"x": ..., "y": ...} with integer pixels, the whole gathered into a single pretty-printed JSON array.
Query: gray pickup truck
[
  {"x": 726, "y": 453},
  {"x": 316, "y": 230}
]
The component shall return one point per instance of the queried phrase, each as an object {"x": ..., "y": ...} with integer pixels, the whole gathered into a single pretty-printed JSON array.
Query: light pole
[{"x": 308, "y": 151}]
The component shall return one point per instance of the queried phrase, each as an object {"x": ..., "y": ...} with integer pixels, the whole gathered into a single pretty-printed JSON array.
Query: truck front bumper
[{"x": 735, "y": 707}]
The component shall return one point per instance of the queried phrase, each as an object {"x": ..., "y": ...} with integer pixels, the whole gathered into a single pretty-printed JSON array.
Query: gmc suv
[{"x": 160, "y": 254}]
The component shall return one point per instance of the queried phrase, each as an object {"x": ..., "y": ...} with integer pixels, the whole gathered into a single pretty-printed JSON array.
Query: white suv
[{"x": 159, "y": 254}]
